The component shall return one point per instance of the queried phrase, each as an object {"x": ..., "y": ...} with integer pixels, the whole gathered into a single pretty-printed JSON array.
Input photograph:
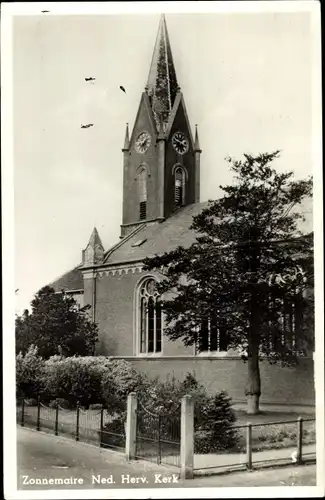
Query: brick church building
[{"x": 161, "y": 193}]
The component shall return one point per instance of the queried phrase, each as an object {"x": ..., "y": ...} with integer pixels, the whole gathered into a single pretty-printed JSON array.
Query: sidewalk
[
  {"x": 40, "y": 455},
  {"x": 213, "y": 463}
]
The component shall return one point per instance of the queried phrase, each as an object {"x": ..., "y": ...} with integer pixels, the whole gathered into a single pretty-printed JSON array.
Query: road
[{"x": 81, "y": 466}]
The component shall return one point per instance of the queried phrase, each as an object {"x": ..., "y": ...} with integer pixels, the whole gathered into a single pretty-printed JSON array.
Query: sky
[{"x": 246, "y": 79}]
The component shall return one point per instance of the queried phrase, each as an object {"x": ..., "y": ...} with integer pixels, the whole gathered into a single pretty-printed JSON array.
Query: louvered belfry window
[
  {"x": 150, "y": 318},
  {"x": 143, "y": 210},
  {"x": 142, "y": 188},
  {"x": 179, "y": 186}
]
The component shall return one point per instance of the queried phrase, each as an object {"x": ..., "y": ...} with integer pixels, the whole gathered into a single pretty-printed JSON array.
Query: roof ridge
[{"x": 119, "y": 243}]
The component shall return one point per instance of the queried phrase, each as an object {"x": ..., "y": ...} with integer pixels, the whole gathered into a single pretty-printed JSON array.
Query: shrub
[
  {"x": 117, "y": 382},
  {"x": 75, "y": 379},
  {"x": 29, "y": 373},
  {"x": 213, "y": 415}
]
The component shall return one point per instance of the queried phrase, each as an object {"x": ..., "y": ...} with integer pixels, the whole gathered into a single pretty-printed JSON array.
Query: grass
[{"x": 279, "y": 434}]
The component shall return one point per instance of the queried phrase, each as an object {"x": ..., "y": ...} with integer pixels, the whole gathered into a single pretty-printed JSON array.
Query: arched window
[
  {"x": 142, "y": 190},
  {"x": 179, "y": 186},
  {"x": 150, "y": 318}
]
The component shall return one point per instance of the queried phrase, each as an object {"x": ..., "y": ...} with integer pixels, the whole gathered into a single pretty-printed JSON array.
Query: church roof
[
  {"x": 162, "y": 83},
  {"x": 152, "y": 239},
  {"x": 159, "y": 237},
  {"x": 72, "y": 280},
  {"x": 173, "y": 232}
]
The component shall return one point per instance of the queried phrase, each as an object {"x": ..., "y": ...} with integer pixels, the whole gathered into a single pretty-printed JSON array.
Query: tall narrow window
[
  {"x": 179, "y": 186},
  {"x": 142, "y": 188},
  {"x": 212, "y": 335},
  {"x": 286, "y": 327},
  {"x": 150, "y": 318}
]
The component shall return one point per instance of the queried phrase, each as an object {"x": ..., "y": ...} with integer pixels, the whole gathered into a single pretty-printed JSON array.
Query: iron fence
[
  {"x": 254, "y": 445},
  {"x": 220, "y": 447},
  {"x": 158, "y": 435},
  {"x": 93, "y": 425}
]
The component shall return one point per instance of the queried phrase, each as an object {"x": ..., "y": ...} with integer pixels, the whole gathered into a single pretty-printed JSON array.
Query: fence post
[
  {"x": 56, "y": 418},
  {"x": 38, "y": 412},
  {"x": 22, "y": 421},
  {"x": 131, "y": 426},
  {"x": 77, "y": 422},
  {"x": 158, "y": 442},
  {"x": 299, "y": 439},
  {"x": 249, "y": 461},
  {"x": 101, "y": 426},
  {"x": 187, "y": 437}
]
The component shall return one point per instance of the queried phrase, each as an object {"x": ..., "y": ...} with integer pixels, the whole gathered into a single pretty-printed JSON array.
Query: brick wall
[
  {"x": 115, "y": 316},
  {"x": 132, "y": 162},
  {"x": 187, "y": 160},
  {"x": 280, "y": 385}
]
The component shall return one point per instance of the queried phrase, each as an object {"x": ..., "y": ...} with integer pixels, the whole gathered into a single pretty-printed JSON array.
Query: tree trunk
[{"x": 253, "y": 388}]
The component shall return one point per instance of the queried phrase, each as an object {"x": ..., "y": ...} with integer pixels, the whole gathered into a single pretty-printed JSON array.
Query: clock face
[
  {"x": 180, "y": 143},
  {"x": 143, "y": 142}
]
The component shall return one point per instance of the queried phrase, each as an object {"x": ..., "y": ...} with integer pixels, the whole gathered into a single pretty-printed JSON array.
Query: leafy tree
[
  {"x": 29, "y": 373},
  {"x": 23, "y": 339},
  {"x": 56, "y": 325},
  {"x": 249, "y": 268}
]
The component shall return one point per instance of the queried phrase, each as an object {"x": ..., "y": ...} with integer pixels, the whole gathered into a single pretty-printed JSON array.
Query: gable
[
  {"x": 144, "y": 121},
  {"x": 178, "y": 120}
]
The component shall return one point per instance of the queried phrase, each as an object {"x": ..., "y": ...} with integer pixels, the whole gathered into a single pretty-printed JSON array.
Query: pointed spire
[
  {"x": 162, "y": 82},
  {"x": 94, "y": 251},
  {"x": 197, "y": 142},
  {"x": 95, "y": 239},
  {"x": 126, "y": 146}
]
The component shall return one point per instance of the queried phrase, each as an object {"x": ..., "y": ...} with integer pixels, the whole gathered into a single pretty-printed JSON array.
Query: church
[{"x": 161, "y": 194}]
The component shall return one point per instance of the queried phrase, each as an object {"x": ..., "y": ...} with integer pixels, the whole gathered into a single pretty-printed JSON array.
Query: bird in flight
[
  {"x": 87, "y": 126},
  {"x": 17, "y": 290},
  {"x": 44, "y": 11},
  {"x": 123, "y": 89},
  {"x": 90, "y": 79}
]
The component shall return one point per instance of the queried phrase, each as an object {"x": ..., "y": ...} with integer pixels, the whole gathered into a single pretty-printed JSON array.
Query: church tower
[{"x": 161, "y": 159}]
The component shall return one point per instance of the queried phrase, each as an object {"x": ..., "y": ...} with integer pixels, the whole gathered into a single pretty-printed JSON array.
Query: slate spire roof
[
  {"x": 162, "y": 85},
  {"x": 95, "y": 239}
]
